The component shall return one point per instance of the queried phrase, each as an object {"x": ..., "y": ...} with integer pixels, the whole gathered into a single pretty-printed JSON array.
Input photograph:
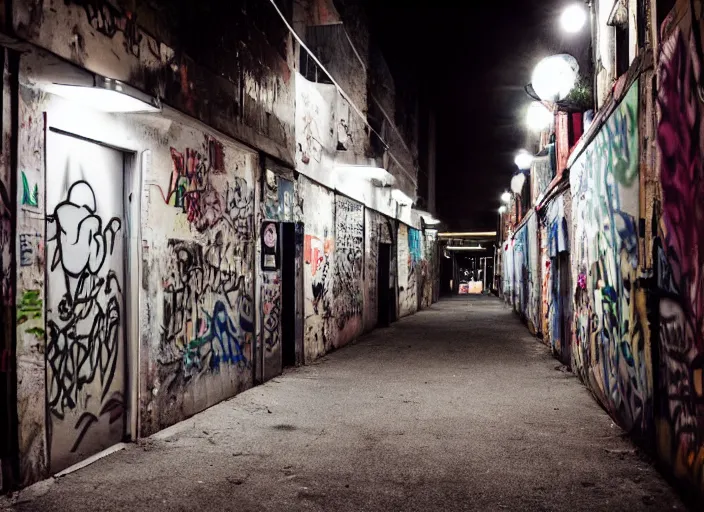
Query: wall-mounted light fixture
[
  {"x": 468, "y": 234},
  {"x": 517, "y": 183},
  {"x": 107, "y": 95},
  {"x": 502, "y": 210},
  {"x": 554, "y": 77},
  {"x": 506, "y": 197},
  {"x": 377, "y": 175},
  {"x": 573, "y": 18},
  {"x": 428, "y": 217},
  {"x": 523, "y": 160},
  {"x": 464, "y": 248},
  {"x": 538, "y": 117},
  {"x": 400, "y": 197}
]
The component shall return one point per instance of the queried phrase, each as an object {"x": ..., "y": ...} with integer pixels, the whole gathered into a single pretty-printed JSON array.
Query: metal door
[{"x": 85, "y": 250}]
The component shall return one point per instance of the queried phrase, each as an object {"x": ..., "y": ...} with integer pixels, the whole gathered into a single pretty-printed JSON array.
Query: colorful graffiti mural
[
  {"x": 556, "y": 291},
  {"x": 679, "y": 249},
  {"x": 609, "y": 351},
  {"x": 408, "y": 254},
  {"x": 526, "y": 275},
  {"x": 206, "y": 269},
  {"x": 318, "y": 257}
]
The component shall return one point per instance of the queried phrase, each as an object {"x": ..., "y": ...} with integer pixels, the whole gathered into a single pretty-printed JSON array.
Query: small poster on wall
[{"x": 270, "y": 246}]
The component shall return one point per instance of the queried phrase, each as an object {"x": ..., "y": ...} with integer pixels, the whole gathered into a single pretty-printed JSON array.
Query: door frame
[
  {"x": 383, "y": 287},
  {"x": 134, "y": 165},
  {"x": 288, "y": 253}
]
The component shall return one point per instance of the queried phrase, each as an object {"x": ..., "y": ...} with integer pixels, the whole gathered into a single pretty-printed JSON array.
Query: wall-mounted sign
[{"x": 270, "y": 246}]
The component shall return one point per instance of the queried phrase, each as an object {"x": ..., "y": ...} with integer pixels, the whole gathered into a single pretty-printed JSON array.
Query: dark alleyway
[{"x": 455, "y": 408}]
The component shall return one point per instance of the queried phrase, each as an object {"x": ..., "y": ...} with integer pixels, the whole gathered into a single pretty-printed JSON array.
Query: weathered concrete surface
[{"x": 455, "y": 408}]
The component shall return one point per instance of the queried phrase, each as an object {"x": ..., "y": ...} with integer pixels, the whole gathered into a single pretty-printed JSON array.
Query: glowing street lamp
[
  {"x": 523, "y": 160},
  {"x": 554, "y": 77},
  {"x": 539, "y": 117},
  {"x": 502, "y": 210},
  {"x": 573, "y": 18},
  {"x": 506, "y": 197}
]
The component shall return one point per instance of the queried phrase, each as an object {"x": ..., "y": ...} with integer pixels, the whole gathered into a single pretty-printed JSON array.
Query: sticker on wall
[{"x": 270, "y": 252}]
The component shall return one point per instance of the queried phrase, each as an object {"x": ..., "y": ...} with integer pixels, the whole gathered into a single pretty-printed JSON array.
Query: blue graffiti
[
  {"x": 221, "y": 343},
  {"x": 414, "y": 247},
  {"x": 223, "y": 329}
]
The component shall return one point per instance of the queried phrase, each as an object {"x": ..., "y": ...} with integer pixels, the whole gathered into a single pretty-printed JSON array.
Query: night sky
[{"x": 472, "y": 64}]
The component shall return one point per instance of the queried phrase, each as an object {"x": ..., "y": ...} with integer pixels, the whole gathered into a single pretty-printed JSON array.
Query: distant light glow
[
  {"x": 100, "y": 98},
  {"x": 573, "y": 18},
  {"x": 506, "y": 197},
  {"x": 502, "y": 210},
  {"x": 554, "y": 77},
  {"x": 467, "y": 234},
  {"x": 463, "y": 248},
  {"x": 523, "y": 160},
  {"x": 539, "y": 117},
  {"x": 400, "y": 197}
]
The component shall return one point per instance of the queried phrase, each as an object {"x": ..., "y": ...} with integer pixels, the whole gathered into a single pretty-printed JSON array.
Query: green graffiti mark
[
  {"x": 30, "y": 195},
  {"x": 30, "y": 307},
  {"x": 37, "y": 331}
]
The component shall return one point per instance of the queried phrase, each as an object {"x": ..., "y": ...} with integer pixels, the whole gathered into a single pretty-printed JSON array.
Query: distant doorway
[
  {"x": 565, "y": 276},
  {"x": 384, "y": 304},
  {"x": 288, "y": 293}
]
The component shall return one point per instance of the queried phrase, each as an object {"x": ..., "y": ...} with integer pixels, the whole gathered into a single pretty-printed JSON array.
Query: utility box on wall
[{"x": 270, "y": 246}]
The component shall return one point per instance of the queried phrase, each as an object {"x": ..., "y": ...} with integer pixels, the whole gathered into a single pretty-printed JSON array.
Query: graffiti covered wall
[
  {"x": 318, "y": 257},
  {"x": 228, "y": 75},
  {"x": 609, "y": 344},
  {"x": 546, "y": 302},
  {"x": 348, "y": 280},
  {"x": 187, "y": 307},
  {"x": 555, "y": 278},
  {"x": 409, "y": 254},
  {"x": 526, "y": 274},
  {"x": 30, "y": 326},
  {"x": 372, "y": 236},
  {"x": 678, "y": 253},
  {"x": 200, "y": 260}
]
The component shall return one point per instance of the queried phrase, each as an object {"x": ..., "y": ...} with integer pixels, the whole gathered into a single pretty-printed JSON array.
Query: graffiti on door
[{"x": 83, "y": 334}]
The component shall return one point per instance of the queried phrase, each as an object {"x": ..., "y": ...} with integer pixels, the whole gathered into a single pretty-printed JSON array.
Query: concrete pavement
[{"x": 455, "y": 408}]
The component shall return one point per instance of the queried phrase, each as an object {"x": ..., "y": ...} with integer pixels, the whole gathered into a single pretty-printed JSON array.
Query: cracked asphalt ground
[{"x": 455, "y": 408}]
